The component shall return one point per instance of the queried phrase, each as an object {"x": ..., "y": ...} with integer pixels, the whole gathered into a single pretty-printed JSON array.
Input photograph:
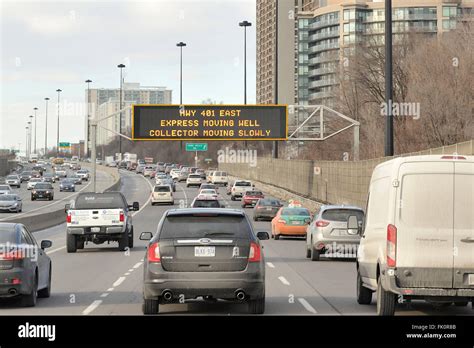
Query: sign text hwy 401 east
[{"x": 209, "y": 122}]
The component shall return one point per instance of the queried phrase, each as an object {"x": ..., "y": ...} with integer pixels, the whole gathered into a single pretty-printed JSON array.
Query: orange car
[{"x": 290, "y": 221}]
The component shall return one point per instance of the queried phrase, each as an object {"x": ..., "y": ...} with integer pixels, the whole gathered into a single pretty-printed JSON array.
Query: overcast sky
[{"x": 46, "y": 45}]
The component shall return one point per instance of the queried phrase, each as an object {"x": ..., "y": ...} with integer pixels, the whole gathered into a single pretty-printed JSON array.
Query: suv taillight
[
  {"x": 255, "y": 254},
  {"x": 68, "y": 218},
  {"x": 321, "y": 223},
  {"x": 391, "y": 246},
  {"x": 122, "y": 216},
  {"x": 154, "y": 253}
]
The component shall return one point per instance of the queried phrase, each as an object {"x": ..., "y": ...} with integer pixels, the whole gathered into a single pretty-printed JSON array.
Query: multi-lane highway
[
  {"x": 104, "y": 180},
  {"x": 102, "y": 280}
]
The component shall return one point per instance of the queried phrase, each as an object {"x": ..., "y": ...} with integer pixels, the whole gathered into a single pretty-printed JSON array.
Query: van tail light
[
  {"x": 321, "y": 223},
  {"x": 255, "y": 254},
  {"x": 391, "y": 246},
  {"x": 453, "y": 157},
  {"x": 69, "y": 218},
  {"x": 122, "y": 216},
  {"x": 154, "y": 253}
]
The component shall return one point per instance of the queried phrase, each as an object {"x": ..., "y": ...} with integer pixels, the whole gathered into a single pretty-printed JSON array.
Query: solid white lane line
[
  {"x": 119, "y": 281},
  {"x": 54, "y": 250},
  {"x": 105, "y": 294},
  {"x": 271, "y": 265},
  {"x": 283, "y": 280},
  {"x": 138, "y": 264},
  {"x": 149, "y": 198},
  {"x": 110, "y": 289},
  {"x": 92, "y": 307},
  {"x": 307, "y": 306}
]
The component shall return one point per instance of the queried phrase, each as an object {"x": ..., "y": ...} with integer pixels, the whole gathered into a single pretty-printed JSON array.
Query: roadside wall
[{"x": 334, "y": 182}]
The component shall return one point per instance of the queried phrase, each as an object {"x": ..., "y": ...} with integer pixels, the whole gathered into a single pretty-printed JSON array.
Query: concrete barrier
[
  {"x": 43, "y": 221},
  {"x": 333, "y": 182}
]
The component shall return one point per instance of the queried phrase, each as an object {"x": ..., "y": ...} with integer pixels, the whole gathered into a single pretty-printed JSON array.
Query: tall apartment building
[
  {"x": 132, "y": 93},
  {"x": 327, "y": 33},
  {"x": 276, "y": 49}
]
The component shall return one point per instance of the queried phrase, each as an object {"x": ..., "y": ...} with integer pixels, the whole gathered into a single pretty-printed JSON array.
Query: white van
[
  {"x": 418, "y": 238},
  {"x": 219, "y": 178}
]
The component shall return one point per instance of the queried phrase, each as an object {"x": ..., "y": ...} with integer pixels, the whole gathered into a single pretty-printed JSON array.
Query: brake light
[
  {"x": 453, "y": 157},
  {"x": 68, "y": 218},
  {"x": 122, "y": 216},
  {"x": 154, "y": 253},
  {"x": 391, "y": 246},
  {"x": 255, "y": 254},
  {"x": 321, "y": 223},
  {"x": 281, "y": 221}
]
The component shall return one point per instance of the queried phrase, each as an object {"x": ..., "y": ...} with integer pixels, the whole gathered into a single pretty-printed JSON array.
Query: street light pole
[
  {"x": 389, "y": 151},
  {"x": 275, "y": 142},
  {"x": 93, "y": 126},
  {"x": 46, "y": 129},
  {"x": 57, "y": 137},
  {"x": 120, "y": 66},
  {"x": 181, "y": 45},
  {"x": 36, "y": 121},
  {"x": 88, "y": 81},
  {"x": 245, "y": 24},
  {"x": 29, "y": 137},
  {"x": 26, "y": 144}
]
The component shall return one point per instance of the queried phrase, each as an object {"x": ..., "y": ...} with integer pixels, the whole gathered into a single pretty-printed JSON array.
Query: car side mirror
[
  {"x": 263, "y": 235},
  {"x": 45, "y": 244},
  {"x": 18, "y": 199},
  {"x": 67, "y": 207},
  {"x": 136, "y": 206},
  {"x": 353, "y": 226},
  {"x": 146, "y": 236}
]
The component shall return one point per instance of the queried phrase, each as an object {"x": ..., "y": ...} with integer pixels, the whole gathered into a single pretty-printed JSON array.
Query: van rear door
[
  {"x": 464, "y": 224},
  {"x": 424, "y": 222}
]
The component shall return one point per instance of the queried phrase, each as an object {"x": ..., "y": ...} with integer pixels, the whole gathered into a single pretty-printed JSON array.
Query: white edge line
[
  {"x": 54, "y": 250},
  {"x": 138, "y": 264}
]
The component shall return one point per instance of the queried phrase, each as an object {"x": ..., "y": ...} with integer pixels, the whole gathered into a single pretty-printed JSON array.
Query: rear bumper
[
  {"x": 7, "y": 289},
  {"x": 103, "y": 230},
  {"x": 292, "y": 230},
  {"x": 162, "y": 200}
]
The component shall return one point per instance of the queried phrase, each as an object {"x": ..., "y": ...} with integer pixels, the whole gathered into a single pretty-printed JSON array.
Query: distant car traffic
[
  {"x": 329, "y": 228},
  {"x": 42, "y": 190},
  {"x": 11, "y": 203},
  {"x": 208, "y": 192},
  {"x": 25, "y": 268},
  {"x": 208, "y": 186},
  {"x": 13, "y": 180},
  {"x": 49, "y": 177},
  {"x": 76, "y": 179},
  {"x": 84, "y": 174},
  {"x": 25, "y": 175},
  {"x": 219, "y": 178},
  {"x": 290, "y": 222},
  {"x": 206, "y": 201},
  {"x": 239, "y": 188},
  {"x": 193, "y": 180},
  {"x": 266, "y": 209},
  {"x": 251, "y": 198},
  {"x": 213, "y": 253},
  {"x": 32, "y": 183}
]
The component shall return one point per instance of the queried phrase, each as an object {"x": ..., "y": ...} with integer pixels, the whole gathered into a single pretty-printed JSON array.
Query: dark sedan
[
  {"x": 204, "y": 252},
  {"x": 76, "y": 179},
  {"x": 49, "y": 177},
  {"x": 67, "y": 185},
  {"x": 43, "y": 190},
  {"x": 25, "y": 269},
  {"x": 266, "y": 209},
  {"x": 26, "y": 175}
]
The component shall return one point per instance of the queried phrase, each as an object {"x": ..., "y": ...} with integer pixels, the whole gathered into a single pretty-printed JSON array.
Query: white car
[
  {"x": 174, "y": 174},
  {"x": 239, "y": 188},
  {"x": 32, "y": 183},
  {"x": 219, "y": 178},
  {"x": 208, "y": 192},
  {"x": 193, "y": 180},
  {"x": 149, "y": 170},
  {"x": 159, "y": 178},
  {"x": 5, "y": 189},
  {"x": 418, "y": 235},
  {"x": 162, "y": 194}
]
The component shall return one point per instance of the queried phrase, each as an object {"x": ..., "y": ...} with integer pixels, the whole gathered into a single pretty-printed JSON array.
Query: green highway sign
[
  {"x": 196, "y": 146},
  {"x": 64, "y": 144}
]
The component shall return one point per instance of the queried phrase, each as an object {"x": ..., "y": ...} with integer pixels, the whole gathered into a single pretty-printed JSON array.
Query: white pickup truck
[
  {"x": 98, "y": 218},
  {"x": 239, "y": 188}
]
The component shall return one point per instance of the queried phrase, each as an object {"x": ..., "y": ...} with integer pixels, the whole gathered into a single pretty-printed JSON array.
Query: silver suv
[{"x": 328, "y": 233}]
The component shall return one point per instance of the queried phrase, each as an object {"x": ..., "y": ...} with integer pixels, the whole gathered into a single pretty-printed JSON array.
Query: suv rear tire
[
  {"x": 130, "y": 239},
  {"x": 364, "y": 295},
  {"x": 71, "y": 243},
  {"x": 257, "y": 306},
  {"x": 29, "y": 300},
  {"x": 123, "y": 242},
  {"x": 315, "y": 254},
  {"x": 151, "y": 307},
  {"x": 385, "y": 300},
  {"x": 308, "y": 252}
]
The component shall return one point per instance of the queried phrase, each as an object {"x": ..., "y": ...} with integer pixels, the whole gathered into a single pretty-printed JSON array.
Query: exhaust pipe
[
  {"x": 167, "y": 295},
  {"x": 12, "y": 292},
  {"x": 240, "y": 295}
]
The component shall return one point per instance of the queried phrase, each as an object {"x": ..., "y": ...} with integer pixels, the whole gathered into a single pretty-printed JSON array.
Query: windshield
[
  {"x": 270, "y": 202},
  {"x": 342, "y": 214},
  {"x": 162, "y": 189},
  {"x": 8, "y": 198},
  {"x": 295, "y": 212},
  {"x": 243, "y": 183},
  {"x": 189, "y": 226},
  {"x": 40, "y": 186},
  {"x": 4, "y": 187},
  {"x": 12, "y": 177}
]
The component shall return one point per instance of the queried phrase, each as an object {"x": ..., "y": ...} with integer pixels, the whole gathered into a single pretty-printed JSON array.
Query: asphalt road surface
[{"x": 102, "y": 280}]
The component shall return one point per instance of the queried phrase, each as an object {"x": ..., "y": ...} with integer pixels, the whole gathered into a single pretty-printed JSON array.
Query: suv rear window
[
  {"x": 242, "y": 183},
  {"x": 206, "y": 203},
  {"x": 205, "y": 226},
  {"x": 40, "y": 186},
  {"x": 8, "y": 236},
  {"x": 162, "y": 189},
  {"x": 194, "y": 176},
  {"x": 99, "y": 201},
  {"x": 342, "y": 214}
]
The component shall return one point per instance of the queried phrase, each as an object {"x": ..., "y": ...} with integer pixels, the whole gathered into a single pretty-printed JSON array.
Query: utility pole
[
  {"x": 57, "y": 136},
  {"x": 46, "y": 130},
  {"x": 120, "y": 66},
  {"x": 389, "y": 151},
  {"x": 275, "y": 142},
  {"x": 36, "y": 121}
]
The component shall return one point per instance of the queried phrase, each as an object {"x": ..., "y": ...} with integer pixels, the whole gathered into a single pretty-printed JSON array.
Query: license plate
[
  {"x": 268, "y": 209},
  {"x": 207, "y": 251},
  {"x": 95, "y": 229},
  {"x": 471, "y": 279},
  {"x": 295, "y": 223},
  {"x": 339, "y": 233}
]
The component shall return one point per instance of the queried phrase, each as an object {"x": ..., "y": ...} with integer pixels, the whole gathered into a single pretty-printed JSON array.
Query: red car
[{"x": 251, "y": 198}]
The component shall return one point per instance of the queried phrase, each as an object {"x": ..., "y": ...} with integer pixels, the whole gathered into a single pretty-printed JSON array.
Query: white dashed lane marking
[
  {"x": 283, "y": 280},
  {"x": 92, "y": 307}
]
